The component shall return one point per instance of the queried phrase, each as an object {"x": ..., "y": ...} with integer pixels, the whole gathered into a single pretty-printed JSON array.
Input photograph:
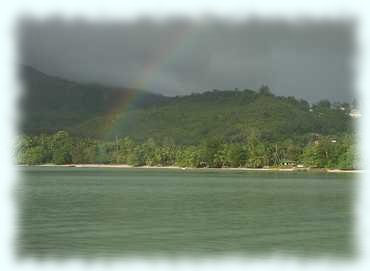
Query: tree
[
  {"x": 256, "y": 151},
  {"x": 209, "y": 149},
  {"x": 323, "y": 104},
  {"x": 34, "y": 156},
  {"x": 188, "y": 157},
  {"x": 84, "y": 151},
  {"x": 264, "y": 90},
  {"x": 235, "y": 155},
  {"x": 61, "y": 145},
  {"x": 136, "y": 157},
  {"x": 126, "y": 146},
  {"x": 167, "y": 152},
  {"x": 151, "y": 153},
  {"x": 348, "y": 159}
]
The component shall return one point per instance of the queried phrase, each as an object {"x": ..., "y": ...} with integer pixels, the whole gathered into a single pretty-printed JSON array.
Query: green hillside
[
  {"x": 50, "y": 103},
  {"x": 67, "y": 122},
  {"x": 230, "y": 115}
]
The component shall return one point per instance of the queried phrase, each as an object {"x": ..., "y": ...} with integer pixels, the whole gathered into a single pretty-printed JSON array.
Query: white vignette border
[{"x": 117, "y": 10}]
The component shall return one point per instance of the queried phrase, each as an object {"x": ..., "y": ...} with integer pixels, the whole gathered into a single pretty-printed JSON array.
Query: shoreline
[{"x": 323, "y": 170}]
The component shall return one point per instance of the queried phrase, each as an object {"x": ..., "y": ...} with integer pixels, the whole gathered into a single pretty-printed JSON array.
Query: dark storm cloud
[{"x": 311, "y": 60}]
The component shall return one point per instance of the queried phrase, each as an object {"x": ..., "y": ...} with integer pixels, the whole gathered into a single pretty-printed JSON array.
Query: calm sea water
[{"x": 74, "y": 212}]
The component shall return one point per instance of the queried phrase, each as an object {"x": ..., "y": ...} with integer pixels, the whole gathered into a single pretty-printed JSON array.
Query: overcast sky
[{"x": 176, "y": 57}]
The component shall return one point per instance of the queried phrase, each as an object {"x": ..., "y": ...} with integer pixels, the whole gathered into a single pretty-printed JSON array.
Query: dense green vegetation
[
  {"x": 67, "y": 122},
  {"x": 61, "y": 148},
  {"x": 50, "y": 103}
]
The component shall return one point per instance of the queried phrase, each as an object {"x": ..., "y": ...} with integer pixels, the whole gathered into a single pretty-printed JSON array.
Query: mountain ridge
[{"x": 90, "y": 110}]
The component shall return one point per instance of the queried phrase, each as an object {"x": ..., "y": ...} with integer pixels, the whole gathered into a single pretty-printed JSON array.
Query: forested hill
[
  {"x": 50, "y": 103},
  {"x": 53, "y": 104}
]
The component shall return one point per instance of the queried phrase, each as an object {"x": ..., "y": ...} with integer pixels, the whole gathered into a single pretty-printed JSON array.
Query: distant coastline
[{"x": 292, "y": 169}]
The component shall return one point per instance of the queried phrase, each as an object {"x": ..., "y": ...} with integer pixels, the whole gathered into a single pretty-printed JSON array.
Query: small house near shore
[{"x": 288, "y": 163}]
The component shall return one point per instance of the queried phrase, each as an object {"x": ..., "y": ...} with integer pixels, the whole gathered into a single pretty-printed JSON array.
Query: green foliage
[
  {"x": 84, "y": 151},
  {"x": 136, "y": 157},
  {"x": 330, "y": 152},
  {"x": 189, "y": 156},
  {"x": 86, "y": 124},
  {"x": 234, "y": 155},
  {"x": 34, "y": 155},
  {"x": 264, "y": 90},
  {"x": 93, "y": 111},
  {"x": 348, "y": 156},
  {"x": 60, "y": 148},
  {"x": 51, "y": 103}
]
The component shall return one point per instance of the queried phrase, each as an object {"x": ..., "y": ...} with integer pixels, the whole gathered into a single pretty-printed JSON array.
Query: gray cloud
[{"x": 310, "y": 60}]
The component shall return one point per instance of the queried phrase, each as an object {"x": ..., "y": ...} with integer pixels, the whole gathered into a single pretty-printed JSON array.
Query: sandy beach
[{"x": 184, "y": 168}]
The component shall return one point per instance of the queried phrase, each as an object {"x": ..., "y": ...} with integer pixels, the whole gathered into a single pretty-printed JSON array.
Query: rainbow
[{"x": 118, "y": 113}]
